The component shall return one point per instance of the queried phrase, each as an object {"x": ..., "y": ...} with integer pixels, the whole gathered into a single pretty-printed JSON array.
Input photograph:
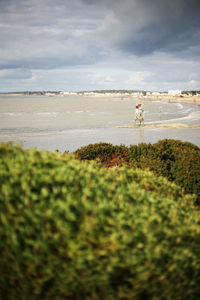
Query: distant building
[
  {"x": 174, "y": 92},
  {"x": 68, "y": 93},
  {"x": 49, "y": 94},
  {"x": 135, "y": 94},
  {"x": 64, "y": 93},
  {"x": 156, "y": 93},
  {"x": 88, "y": 93}
]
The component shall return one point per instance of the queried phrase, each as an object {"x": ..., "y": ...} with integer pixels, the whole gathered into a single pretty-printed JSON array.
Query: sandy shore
[
  {"x": 169, "y": 126},
  {"x": 183, "y": 99},
  {"x": 189, "y": 100}
]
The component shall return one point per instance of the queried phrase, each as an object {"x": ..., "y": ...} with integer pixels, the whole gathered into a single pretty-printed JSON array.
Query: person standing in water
[{"x": 139, "y": 114}]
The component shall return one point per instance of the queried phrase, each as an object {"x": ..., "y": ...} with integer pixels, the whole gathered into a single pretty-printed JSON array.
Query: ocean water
[{"x": 66, "y": 123}]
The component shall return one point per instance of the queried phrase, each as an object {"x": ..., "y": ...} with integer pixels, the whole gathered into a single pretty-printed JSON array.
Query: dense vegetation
[
  {"x": 176, "y": 160},
  {"x": 73, "y": 229}
]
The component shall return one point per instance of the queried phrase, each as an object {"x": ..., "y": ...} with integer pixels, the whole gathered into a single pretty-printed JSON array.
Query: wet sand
[
  {"x": 169, "y": 126},
  {"x": 70, "y": 140},
  {"x": 184, "y": 129}
]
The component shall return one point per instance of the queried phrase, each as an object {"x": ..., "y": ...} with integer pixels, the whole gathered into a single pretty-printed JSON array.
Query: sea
[{"x": 70, "y": 122}]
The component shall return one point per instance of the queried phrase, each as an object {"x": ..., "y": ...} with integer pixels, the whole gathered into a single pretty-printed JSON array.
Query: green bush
[
  {"x": 176, "y": 160},
  {"x": 182, "y": 162},
  {"x": 75, "y": 230},
  {"x": 105, "y": 153}
]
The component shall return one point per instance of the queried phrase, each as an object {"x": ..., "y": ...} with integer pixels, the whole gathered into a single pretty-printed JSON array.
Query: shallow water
[{"x": 67, "y": 123}]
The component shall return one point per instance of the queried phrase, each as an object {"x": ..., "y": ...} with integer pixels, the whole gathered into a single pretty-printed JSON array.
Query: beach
[{"x": 68, "y": 123}]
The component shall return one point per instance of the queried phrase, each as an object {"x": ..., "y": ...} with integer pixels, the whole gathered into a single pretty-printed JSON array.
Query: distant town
[{"x": 111, "y": 93}]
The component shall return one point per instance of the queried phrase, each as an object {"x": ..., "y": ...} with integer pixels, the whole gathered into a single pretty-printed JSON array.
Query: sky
[{"x": 82, "y": 45}]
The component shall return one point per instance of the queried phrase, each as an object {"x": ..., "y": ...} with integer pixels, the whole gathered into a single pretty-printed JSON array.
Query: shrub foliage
[
  {"x": 75, "y": 230},
  {"x": 176, "y": 160}
]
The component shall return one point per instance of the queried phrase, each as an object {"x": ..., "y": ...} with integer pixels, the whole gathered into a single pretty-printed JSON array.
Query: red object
[{"x": 139, "y": 105}]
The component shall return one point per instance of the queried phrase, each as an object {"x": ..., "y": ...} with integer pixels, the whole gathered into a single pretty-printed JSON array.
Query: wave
[{"x": 12, "y": 114}]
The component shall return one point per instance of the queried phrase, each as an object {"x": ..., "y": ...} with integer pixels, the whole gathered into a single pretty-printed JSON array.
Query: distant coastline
[{"x": 186, "y": 97}]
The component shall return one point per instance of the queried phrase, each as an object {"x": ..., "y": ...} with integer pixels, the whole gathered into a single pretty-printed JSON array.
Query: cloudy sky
[{"x": 74, "y": 45}]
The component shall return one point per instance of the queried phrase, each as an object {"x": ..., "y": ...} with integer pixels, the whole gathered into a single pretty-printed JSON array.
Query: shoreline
[
  {"x": 187, "y": 100},
  {"x": 164, "y": 126},
  {"x": 168, "y": 98},
  {"x": 72, "y": 140},
  {"x": 180, "y": 99},
  {"x": 185, "y": 128}
]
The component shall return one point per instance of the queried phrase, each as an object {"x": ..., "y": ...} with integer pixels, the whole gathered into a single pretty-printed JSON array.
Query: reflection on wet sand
[
  {"x": 139, "y": 136},
  {"x": 160, "y": 112},
  {"x": 169, "y": 126}
]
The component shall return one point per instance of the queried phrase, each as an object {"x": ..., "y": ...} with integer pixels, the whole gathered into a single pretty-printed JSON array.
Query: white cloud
[
  {"x": 138, "y": 78},
  {"x": 193, "y": 84}
]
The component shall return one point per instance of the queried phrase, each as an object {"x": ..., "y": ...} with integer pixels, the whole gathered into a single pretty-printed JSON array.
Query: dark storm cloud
[
  {"x": 145, "y": 26},
  {"x": 37, "y": 33},
  {"x": 172, "y": 28},
  {"x": 132, "y": 35}
]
